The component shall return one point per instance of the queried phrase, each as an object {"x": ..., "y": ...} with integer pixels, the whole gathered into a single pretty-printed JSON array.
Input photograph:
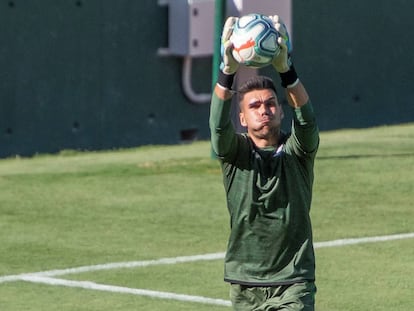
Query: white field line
[
  {"x": 374, "y": 239},
  {"x": 124, "y": 290},
  {"x": 133, "y": 264},
  {"x": 184, "y": 259},
  {"x": 46, "y": 277}
]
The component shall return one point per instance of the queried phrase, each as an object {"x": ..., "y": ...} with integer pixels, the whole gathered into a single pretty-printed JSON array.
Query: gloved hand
[
  {"x": 228, "y": 64},
  {"x": 281, "y": 61}
]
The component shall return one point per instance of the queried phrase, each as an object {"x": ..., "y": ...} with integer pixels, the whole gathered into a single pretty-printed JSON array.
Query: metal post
[{"x": 219, "y": 15}]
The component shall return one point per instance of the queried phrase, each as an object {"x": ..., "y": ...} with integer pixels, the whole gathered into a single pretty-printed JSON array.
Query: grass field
[{"x": 143, "y": 214}]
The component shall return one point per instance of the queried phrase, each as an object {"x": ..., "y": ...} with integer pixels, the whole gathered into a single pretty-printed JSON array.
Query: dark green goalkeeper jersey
[{"x": 269, "y": 193}]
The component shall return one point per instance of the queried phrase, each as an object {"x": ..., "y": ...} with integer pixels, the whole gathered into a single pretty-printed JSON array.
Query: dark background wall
[
  {"x": 355, "y": 57},
  {"x": 85, "y": 74}
]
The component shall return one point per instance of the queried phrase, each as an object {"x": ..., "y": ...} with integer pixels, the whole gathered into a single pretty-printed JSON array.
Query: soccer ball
[{"x": 254, "y": 40}]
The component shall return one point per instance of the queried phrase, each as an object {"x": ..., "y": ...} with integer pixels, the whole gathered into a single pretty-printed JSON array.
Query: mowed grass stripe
[
  {"x": 44, "y": 277},
  {"x": 194, "y": 258}
]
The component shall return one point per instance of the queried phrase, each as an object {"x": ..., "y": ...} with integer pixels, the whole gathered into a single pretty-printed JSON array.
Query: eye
[{"x": 255, "y": 105}]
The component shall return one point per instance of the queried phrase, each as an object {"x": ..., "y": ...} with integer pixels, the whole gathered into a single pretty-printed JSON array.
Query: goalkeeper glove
[
  {"x": 228, "y": 64},
  {"x": 281, "y": 61}
]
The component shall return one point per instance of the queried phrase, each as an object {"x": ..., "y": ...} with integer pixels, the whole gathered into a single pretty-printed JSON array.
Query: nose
[{"x": 264, "y": 109}]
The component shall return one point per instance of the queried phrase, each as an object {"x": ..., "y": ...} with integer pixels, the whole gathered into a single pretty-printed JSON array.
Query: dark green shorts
[{"x": 295, "y": 297}]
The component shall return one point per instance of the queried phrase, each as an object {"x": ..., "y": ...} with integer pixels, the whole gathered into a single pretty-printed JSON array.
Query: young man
[{"x": 268, "y": 179}]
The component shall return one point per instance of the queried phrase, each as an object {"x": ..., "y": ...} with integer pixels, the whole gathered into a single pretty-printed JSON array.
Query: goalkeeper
[{"x": 268, "y": 177}]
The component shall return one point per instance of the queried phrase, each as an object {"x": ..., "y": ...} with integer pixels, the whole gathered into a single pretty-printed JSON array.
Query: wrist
[
  {"x": 225, "y": 80},
  {"x": 289, "y": 78}
]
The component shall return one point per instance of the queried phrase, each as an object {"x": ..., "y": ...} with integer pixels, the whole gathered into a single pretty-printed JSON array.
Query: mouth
[{"x": 265, "y": 120}]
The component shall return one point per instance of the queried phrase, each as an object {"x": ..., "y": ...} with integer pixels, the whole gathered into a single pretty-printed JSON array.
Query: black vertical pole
[{"x": 219, "y": 15}]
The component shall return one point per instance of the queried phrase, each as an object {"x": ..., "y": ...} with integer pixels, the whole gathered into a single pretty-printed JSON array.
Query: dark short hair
[{"x": 255, "y": 83}]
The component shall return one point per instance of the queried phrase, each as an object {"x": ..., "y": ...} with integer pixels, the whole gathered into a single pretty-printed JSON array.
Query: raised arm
[
  {"x": 223, "y": 137},
  {"x": 295, "y": 91},
  {"x": 304, "y": 126},
  {"x": 228, "y": 65}
]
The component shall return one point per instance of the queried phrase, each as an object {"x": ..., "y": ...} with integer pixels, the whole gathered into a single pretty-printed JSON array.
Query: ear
[{"x": 242, "y": 119}]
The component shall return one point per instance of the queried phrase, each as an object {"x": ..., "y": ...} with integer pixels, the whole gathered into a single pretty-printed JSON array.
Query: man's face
[{"x": 261, "y": 113}]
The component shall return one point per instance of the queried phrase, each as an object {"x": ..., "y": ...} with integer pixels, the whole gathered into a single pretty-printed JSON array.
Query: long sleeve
[
  {"x": 305, "y": 128},
  {"x": 223, "y": 136}
]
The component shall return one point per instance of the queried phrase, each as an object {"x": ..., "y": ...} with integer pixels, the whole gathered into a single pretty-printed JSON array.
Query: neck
[{"x": 269, "y": 140}]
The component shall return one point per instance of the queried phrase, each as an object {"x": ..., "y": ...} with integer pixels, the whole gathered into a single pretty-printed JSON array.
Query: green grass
[{"x": 75, "y": 209}]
